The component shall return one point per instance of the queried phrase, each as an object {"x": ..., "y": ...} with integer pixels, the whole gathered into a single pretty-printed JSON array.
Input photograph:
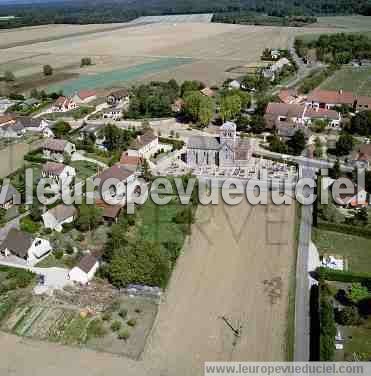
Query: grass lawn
[
  {"x": 156, "y": 222},
  {"x": 98, "y": 157},
  {"x": 84, "y": 169},
  {"x": 51, "y": 261},
  {"x": 357, "y": 250},
  {"x": 358, "y": 339},
  {"x": 78, "y": 113},
  {"x": 357, "y": 80}
]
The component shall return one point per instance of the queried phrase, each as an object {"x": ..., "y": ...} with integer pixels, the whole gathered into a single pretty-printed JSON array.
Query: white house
[
  {"x": 24, "y": 246},
  {"x": 56, "y": 149},
  {"x": 113, "y": 113},
  {"x": 118, "y": 97},
  {"x": 61, "y": 174},
  {"x": 234, "y": 85},
  {"x": 35, "y": 125},
  {"x": 144, "y": 145},
  {"x": 64, "y": 104},
  {"x": 84, "y": 272},
  {"x": 59, "y": 215}
]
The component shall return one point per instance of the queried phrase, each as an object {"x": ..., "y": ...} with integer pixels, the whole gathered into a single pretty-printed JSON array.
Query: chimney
[{"x": 341, "y": 91}]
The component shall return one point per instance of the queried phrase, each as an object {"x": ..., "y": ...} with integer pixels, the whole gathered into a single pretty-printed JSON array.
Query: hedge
[
  {"x": 34, "y": 156},
  {"x": 343, "y": 276},
  {"x": 345, "y": 229}
]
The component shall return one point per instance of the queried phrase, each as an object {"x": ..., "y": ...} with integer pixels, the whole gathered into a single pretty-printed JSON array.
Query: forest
[{"x": 110, "y": 11}]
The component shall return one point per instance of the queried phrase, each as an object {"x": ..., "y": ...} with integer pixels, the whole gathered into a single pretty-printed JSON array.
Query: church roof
[{"x": 202, "y": 142}]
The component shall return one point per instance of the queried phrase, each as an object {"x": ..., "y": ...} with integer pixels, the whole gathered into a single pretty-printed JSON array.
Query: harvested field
[
  {"x": 212, "y": 49},
  {"x": 236, "y": 265}
]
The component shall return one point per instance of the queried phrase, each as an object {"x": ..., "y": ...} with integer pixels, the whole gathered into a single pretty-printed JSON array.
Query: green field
[
  {"x": 345, "y": 22},
  {"x": 108, "y": 79},
  {"x": 357, "y": 250},
  {"x": 357, "y": 80}
]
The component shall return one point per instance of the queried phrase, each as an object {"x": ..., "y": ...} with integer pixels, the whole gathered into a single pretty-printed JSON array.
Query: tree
[
  {"x": 85, "y": 61},
  {"x": 276, "y": 145},
  {"x": 61, "y": 129},
  {"x": 9, "y": 76},
  {"x": 358, "y": 292},
  {"x": 318, "y": 151},
  {"x": 297, "y": 143},
  {"x": 36, "y": 211},
  {"x": 347, "y": 316},
  {"x": 361, "y": 123},
  {"x": 90, "y": 217},
  {"x": 344, "y": 145},
  {"x": 362, "y": 215},
  {"x": 230, "y": 107},
  {"x": 198, "y": 107},
  {"x": 48, "y": 70},
  {"x": 257, "y": 124},
  {"x": 141, "y": 262},
  {"x": 188, "y": 86},
  {"x": 334, "y": 171}
]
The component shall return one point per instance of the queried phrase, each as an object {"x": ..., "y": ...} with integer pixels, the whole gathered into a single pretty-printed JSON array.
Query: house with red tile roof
[
  {"x": 299, "y": 115},
  {"x": 64, "y": 104},
  {"x": 84, "y": 96},
  {"x": 328, "y": 99}
]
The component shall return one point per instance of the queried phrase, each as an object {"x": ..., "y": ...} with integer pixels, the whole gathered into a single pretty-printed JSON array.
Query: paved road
[{"x": 302, "y": 319}]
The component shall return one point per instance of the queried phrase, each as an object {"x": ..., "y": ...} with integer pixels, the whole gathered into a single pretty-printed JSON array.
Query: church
[{"x": 227, "y": 150}]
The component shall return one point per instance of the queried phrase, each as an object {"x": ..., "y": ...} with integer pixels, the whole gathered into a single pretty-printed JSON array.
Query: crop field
[
  {"x": 357, "y": 80},
  {"x": 136, "y": 53}
]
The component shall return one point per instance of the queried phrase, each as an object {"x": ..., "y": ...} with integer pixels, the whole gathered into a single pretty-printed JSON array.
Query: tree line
[{"x": 111, "y": 11}]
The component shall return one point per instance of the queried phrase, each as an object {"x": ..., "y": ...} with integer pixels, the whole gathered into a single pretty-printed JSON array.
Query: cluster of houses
[
  {"x": 299, "y": 112},
  {"x": 65, "y": 104},
  {"x": 12, "y": 126},
  {"x": 31, "y": 249}
]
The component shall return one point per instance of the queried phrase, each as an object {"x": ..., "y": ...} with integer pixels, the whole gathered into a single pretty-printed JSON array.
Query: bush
[
  {"x": 123, "y": 313},
  {"x": 28, "y": 225},
  {"x": 116, "y": 326},
  {"x": 107, "y": 316},
  {"x": 132, "y": 322},
  {"x": 345, "y": 229},
  {"x": 48, "y": 70},
  {"x": 124, "y": 334},
  {"x": 342, "y": 276},
  {"x": 96, "y": 329},
  {"x": 327, "y": 330},
  {"x": 347, "y": 316},
  {"x": 58, "y": 254},
  {"x": 138, "y": 310}
]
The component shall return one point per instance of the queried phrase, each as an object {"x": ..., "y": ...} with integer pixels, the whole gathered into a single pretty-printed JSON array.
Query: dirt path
[{"x": 237, "y": 264}]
